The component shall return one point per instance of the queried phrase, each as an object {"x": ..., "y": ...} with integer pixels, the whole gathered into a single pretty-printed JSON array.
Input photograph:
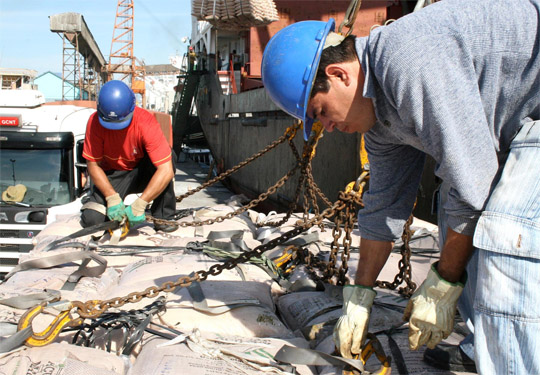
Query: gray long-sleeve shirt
[{"x": 456, "y": 80}]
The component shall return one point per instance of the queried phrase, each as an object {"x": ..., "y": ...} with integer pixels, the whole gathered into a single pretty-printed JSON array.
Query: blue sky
[{"x": 27, "y": 42}]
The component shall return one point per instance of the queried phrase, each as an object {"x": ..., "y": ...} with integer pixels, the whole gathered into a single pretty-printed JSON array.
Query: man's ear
[{"x": 338, "y": 71}]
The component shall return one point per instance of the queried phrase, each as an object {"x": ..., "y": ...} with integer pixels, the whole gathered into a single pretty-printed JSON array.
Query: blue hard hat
[
  {"x": 289, "y": 65},
  {"x": 115, "y": 106}
]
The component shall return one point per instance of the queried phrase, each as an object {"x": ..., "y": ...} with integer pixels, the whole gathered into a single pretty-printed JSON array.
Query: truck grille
[{"x": 9, "y": 233}]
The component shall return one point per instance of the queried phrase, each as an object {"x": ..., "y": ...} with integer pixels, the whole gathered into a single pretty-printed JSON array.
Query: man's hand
[
  {"x": 135, "y": 212},
  {"x": 431, "y": 310},
  {"x": 351, "y": 328},
  {"x": 115, "y": 207}
]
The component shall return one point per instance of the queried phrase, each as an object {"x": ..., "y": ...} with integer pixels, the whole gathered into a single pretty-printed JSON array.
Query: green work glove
[
  {"x": 135, "y": 212},
  {"x": 351, "y": 328},
  {"x": 115, "y": 207},
  {"x": 431, "y": 310}
]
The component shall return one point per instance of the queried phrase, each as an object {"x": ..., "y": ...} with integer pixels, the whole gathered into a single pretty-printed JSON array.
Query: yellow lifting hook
[
  {"x": 64, "y": 319},
  {"x": 373, "y": 346}
]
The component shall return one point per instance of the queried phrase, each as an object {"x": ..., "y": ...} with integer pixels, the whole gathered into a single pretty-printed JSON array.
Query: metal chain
[
  {"x": 94, "y": 308},
  {"x": 294, "y": 202},
  {"x": 289, "y": 134},
  {"x": 230, "y": 215},
  {"x": 349, "y": 216},
  {"x": 405, "y": 269},
  {"x": 350, "y": 16},
  {"x": 342, "y": 209}
]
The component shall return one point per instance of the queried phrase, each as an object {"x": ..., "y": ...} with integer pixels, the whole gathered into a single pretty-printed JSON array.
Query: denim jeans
[
  {"x": 507, "y": 304},
  {"x": 501, "y": 300}
]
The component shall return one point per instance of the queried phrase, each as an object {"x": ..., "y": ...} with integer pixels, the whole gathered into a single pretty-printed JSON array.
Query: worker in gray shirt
[{"x": 459, "y": 81}]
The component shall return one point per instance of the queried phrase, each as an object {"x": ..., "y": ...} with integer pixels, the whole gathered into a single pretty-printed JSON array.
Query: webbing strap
[
  {"x": 30, "y": 300},
  {"x": 14, "y": 341},
  {"x": 200, "y": 303},
  {"x": 8, "y": 328},
  {"x": 303, "y": 239},
  {"x": 217, "y": 235},
  {"x": 300, "y": 356},
  {"x": 59, "y": 259},
  {"x": 112, "y": 225}
]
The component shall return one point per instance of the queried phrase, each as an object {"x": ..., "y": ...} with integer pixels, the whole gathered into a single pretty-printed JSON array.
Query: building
[
  {"x": 160, "y": 81},
  {"x": 14, "y": 78},
  {"x": 50, "y": 84}
]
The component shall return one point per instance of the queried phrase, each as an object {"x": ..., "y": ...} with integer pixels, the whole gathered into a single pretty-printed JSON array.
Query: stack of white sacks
[
  {"x": 247, "y": 317},
  {"x": 235, "y": 14}
]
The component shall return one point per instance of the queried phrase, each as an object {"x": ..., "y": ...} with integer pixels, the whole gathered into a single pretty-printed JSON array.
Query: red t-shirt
[{"x": 123, "y": 149}]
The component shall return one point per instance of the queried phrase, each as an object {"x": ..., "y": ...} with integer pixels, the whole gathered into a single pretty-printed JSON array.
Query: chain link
[
  {"x": 289, "y": 134},
  {"x": 343, "y": 211},
  {"x": 405, "y": 269}
]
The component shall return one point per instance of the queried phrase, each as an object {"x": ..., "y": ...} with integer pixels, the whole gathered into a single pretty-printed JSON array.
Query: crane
[{"x": 123, "y": 65}]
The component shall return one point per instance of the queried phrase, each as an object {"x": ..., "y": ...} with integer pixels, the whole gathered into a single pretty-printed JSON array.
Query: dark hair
[{"x": 343, "y": 52}]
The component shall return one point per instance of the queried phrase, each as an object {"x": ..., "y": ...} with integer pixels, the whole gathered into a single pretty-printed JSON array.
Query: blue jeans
[
  {"x": 501, "y": 300},
  {"x": 507, "y": 304}
]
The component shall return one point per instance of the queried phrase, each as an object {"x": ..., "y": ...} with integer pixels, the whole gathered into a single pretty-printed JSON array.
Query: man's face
[{"x": 343, "y": 107}]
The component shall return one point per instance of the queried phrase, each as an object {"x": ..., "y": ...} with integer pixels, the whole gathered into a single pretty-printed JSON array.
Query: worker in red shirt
[{"x": 127, "y": 153}]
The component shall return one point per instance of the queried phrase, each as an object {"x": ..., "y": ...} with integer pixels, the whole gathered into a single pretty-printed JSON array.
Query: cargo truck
[{"x": 41, "y": 160}]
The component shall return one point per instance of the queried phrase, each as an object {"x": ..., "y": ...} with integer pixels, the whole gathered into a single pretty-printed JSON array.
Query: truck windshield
[{"x": 44, "y": 173}]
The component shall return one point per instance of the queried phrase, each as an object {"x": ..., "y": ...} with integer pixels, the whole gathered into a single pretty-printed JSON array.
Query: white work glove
[
  {"x": 431, "y": 310},
  {"x": 351, "y": 328}
]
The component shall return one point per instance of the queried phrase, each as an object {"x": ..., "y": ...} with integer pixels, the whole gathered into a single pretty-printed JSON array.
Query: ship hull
[{"x": 241, "y": 125}]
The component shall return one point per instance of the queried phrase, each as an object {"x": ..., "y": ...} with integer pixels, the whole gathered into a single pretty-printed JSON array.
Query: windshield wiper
[{"x": 18, "y": 204}]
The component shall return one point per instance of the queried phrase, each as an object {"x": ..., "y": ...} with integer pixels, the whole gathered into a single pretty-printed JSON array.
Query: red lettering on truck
[{"x": 9, "y": 121}]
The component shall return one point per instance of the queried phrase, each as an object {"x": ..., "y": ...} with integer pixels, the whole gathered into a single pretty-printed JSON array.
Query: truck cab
[{"x": 40, "y": 156}]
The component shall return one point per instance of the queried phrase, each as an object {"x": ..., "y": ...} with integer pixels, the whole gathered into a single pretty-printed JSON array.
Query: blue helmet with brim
[
  {"x": 115, "y": 106},
  {"x": 289, "y": 66}
]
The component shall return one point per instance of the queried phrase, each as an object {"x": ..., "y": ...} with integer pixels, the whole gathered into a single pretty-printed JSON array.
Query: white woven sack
[
  {"x": 300, "y": 309},
  {"x": 61, "y": 358},
  {"x": 256, "y": 320},
  {"x": 87, "y": 288},
  {"x": 158, "y": 269},
  {"x": 215, "y": 354}
]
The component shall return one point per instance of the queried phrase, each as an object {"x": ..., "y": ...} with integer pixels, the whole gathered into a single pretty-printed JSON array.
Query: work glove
[
  {"x": 351, "y": 328},
  {"x": 135, "y": 212},
  {"x": 431, "y": 310},
  {"x": 115, "y": 207}
]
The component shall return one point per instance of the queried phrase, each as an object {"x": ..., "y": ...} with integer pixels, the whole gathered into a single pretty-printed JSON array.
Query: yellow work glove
[
  {"x": 431, "y": 310},
  {"x": 135, "y": 212},
  {"x": 351, "y": 328}
]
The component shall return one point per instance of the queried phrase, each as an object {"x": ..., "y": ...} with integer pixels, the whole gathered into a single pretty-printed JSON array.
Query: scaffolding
[{"x": 83, "y": 64}]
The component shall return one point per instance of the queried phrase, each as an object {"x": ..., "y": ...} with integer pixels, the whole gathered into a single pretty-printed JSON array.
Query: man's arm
[
  {"x": 99, "y": 178},
  {"x": 159, "y": 181},
  {"x": 455, "y": 255},
  {"x": 373, "y": 256}
]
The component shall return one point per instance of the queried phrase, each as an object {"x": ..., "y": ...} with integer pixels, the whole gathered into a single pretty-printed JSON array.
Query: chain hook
[
  {"x": 49, "y": 334},
  {"x": 350, "y": 17}
]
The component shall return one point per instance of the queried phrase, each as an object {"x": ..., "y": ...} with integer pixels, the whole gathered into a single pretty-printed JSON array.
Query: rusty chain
[
  {"x": 94, "y": 308},
  {"x": 405, "y": 269},
  {"x": 289, "y": 134},
  {"x": 343, "y": 211}
]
